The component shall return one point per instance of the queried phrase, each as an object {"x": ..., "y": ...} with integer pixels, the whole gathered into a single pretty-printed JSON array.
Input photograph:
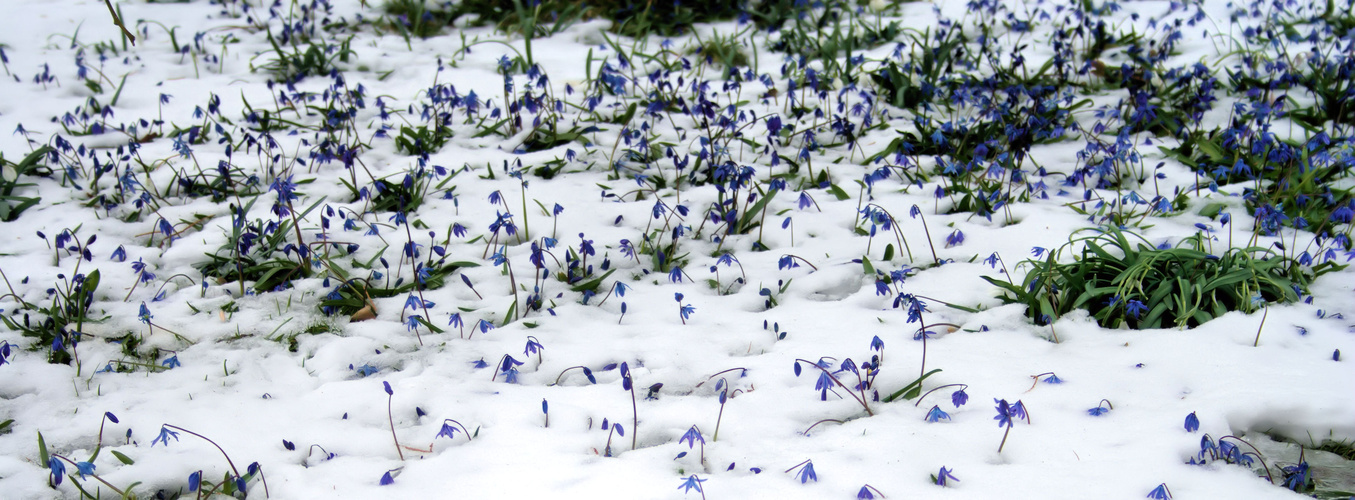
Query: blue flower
[
  {"x": 823, "y": 384},
  {"x": 1160, "y": 492},
  {"x": 944, "y": 475},
  {"x": 194, "y": 480},
  {"x": 936, "y": 415},
  {"x": 1136, "y": 308},
  {"x": 807, "y": 474},
  {"x": 692, "y": 482},
  {"x": 1192, "y": 422},
  {"x": 448, "y": 431},
  {"x": 85, "y": 468},
  {"x": 413, "y": 302},
  {"x": 164, "y": 436},
  {"x": 1296, "y": 476},
  {"x": 959, "y": 398},
  {"x": 59, "y": 469},
  {"x": 533, "y": 346},
  {"x": 171, "y": 361},
  {"x": 955, "y": 239},
  {"x": 119, "y": 255},
  {"x": 412, "y": 322},
  {"x": 1098, "y": 411},
  {"x": 1004, "y": 413},
  {"x": 691, "y": 437},
  {"x": 686, "y": 312},
  {"x": 1053, "y": 379},
  {"x": 145, "y": 314},
  {"x": 387, "y": 386},
  {"x": 675, "y": 275},
  {"x": 386, "y": 478},
  {"x": 1037, "y": 251}
]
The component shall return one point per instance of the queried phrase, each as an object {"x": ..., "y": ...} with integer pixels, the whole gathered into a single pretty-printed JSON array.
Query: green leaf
[
  {"x": 42, "y": 450},
  {"x": 889, "y": 252},
  {"x": 838, "y": 192},
  {"x": 911, "y": 390},
  {"x": 122, "y": 458}
]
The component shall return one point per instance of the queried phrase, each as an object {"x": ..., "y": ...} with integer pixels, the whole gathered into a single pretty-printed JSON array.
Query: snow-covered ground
[{"x": 319, "y": 401}]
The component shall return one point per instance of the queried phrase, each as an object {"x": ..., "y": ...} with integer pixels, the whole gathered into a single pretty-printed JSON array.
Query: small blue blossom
[
  {"x": 87, "y": 468},
  {"x": 1192, "y": 422},
  {"x": 171, "y": 362},
  {"x": 959, "y": 398},
  {"x": 691, "y": 483},
  {"x": 691, "y": 437},
  {"x": 1160, "y": 493},
  {"x": 164, "y": 436},
  {"x": 945, "y": 475},
  {"x": 1135, "y": 308},
  {"x": 936, "y": 414},
  {"x": 58, "y": 469},
  {"x": 807, "y": 473}
]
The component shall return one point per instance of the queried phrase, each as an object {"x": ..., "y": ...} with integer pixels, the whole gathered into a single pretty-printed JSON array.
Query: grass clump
[{"x": 1139, "y": 285}]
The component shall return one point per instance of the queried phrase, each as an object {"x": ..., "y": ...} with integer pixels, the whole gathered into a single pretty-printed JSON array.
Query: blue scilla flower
[
  {"x": 692, "y": 483},
  {"x": 58, "y": 469},
  {"x": 691, "y": 437},
  {"x": 164, "y": 436},
  {"x": 944, "y": 475},
  {"x": 1160, "y": 492},
  {"x": 936, "y": 414},
  {"x": 959, "y": 398},
  {"x": 1192, "y": 422}
]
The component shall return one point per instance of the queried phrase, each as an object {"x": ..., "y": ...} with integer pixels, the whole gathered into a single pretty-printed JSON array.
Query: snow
[{"x": 240, "y": 384}]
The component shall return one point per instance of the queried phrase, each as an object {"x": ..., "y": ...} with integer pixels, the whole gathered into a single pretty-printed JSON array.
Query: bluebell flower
[
  {"x": 386, "y": 478},
  {"x": 807, "y": 473},
  {"x": 87, "y": 468},
  {"x": 164, "y": 436},
  {"x": 484, "y": 326},
  {"x": 1160, "y": 493},
  {"x": 448, "y": 431},
  {"x": 675, "y": 275},
  {"x": 1296, "y": 476},
  {"x": 387, "y": 386},
  {"x": 145, "y": 314},
  {"x": 119, "y": 255},
  {"x": 959, "y": 398},
  {"x": 692, "y": 482},
  {"x": 455, "y": 320},
  {"x": 413, "y": 302},
  {"x": 1053, "y": 379},
  {"x": 366, "y": 369},
  {"x": 194, "y": 480},
  {"x": 876, "y": 344},
  {"x": 936, "y": 415},
  {"x": 1192, "y": 422},
  {"x": 58, "y": 469},
  {"x": 1037, "y": 251},
  {"x": 1135, "y": 308},
  {"x": 533, "y": 346},
  {"x": 691, "y": 437},
  {"x": 1004, "y": 413},
  {"x": 412, "y": 322},
  {"x": 865, "y": 493},
  {"x": 945, "y": 475},
  {"x": 171, "y": 361},
  {"x": 823, "y": 384},
  {"x": 956, "y": 238},
  {"x": 1098, "y": 411}
]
